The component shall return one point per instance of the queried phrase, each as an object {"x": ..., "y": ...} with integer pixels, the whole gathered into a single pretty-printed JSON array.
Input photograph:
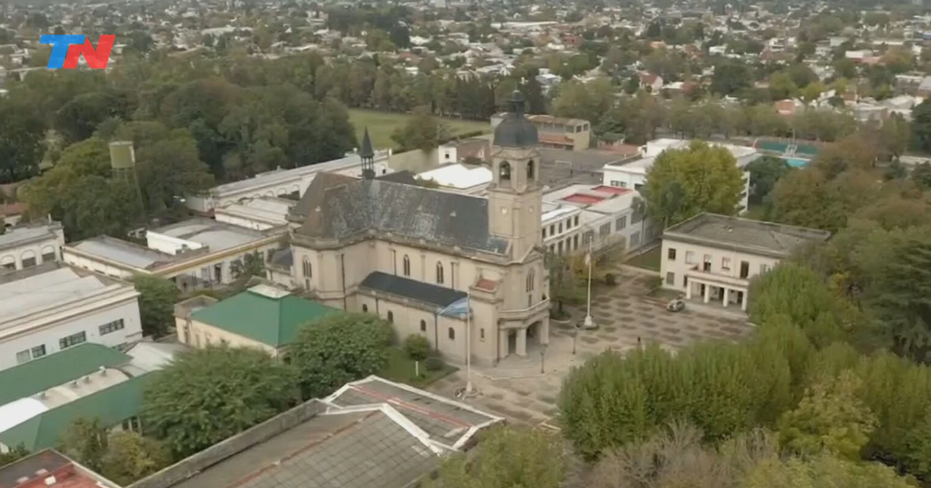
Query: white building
[
  {"x": 605, "y": 214},
  {"x": 194, "y": 253},
  {"x": 53, "y": 307},
  {"x": 25, "y": 247},
  {"x": 259, "y": 214},
  {"x": 715, "y": 257},
  {"x": 281, "y": 182},
  {"x": 460, "y": 178},
  {"x": 633, "y": 173}
]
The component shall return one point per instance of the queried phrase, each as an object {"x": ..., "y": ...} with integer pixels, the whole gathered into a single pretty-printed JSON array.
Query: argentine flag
[{"x": 460, "y": 308}]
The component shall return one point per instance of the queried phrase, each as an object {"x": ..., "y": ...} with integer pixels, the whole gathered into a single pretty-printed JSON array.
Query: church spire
[{"x": 368, "y": 156}]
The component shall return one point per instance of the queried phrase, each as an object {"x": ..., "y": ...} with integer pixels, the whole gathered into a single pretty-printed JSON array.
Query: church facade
[{"x": 406, "y": 252}]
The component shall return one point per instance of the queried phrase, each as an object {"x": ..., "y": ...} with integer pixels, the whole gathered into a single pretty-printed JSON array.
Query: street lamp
[
  {"x": 542, "y": 355},
  {"x": 588, "y": 260},
  {"x": 575, "y": 336}
]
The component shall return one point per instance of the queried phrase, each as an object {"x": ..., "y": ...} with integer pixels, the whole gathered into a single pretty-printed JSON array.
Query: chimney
[
  {"x": 50, "y": 481},
  {"x": 87, "y": 379},
  {"x": 102, "y": 370}
]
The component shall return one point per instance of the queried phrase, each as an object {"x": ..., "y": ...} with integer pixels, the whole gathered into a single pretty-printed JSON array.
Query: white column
[
  {"x": 521, "y": 342},
  {"x": 743, "y": 303},
  {"x": 727, "y": 296},
  {"x": 688, "y": 290},
  {"x": 544, "y": 330},
  {"x": 707, "y": 293}
]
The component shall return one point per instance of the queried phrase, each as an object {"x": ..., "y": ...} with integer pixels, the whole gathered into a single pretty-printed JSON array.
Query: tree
[
  {"x": 208, "y": 395},
  {"x": 730, "y": 77},
  {"x": 899, "y": 292},
  {"x": 564, "y": 283},
  {"x": 157, "y": 297},
  {"x": 830, "y": 418},
  {"x": 422, "y": 132},
  {"x": 803, "y": 198},
  {"x": 765, "y": 172},
  {"x": 921, "y": 175},
  {"x": 21, "y": 135},
  {"x": 78, "y": 119},
  {"x": 417, "y": 347},
  {"x": 131, "y": 457},
  {"x": 823, "y": 470},
  {"x": 85, "y": 441},
  {"x": 508, "y": 457},
  {"x": 14, "y": 454},
  {"x": 250, "y": 265},
  {"x": 338, "y": 349},
  {"x": 921, "y": 125},
  {"x": 685, "y": 182}
]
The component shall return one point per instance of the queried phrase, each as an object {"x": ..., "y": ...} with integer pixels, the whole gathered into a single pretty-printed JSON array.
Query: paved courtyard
[{"x": 516, "y": 389}]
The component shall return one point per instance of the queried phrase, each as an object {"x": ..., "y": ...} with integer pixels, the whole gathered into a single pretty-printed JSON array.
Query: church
[{"x": 406, "y": 252}]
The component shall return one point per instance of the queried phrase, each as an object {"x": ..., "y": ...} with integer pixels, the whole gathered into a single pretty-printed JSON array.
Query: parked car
[{"x": 676, "y": 305}]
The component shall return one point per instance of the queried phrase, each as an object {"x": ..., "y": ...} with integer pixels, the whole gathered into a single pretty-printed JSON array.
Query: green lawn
[
  {"x": 400, "y": 368},
  {"x": 382, "y": 124},
  {"x": 648, "y": 260}
]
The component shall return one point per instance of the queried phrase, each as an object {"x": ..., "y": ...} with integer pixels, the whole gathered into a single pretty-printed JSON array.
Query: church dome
[{"x": 515, "y": 130}]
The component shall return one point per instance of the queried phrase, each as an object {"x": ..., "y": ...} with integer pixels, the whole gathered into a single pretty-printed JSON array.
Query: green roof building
[
  {"x": 261, "y": 316},
  {"x": 112, "y": 406},
  {"x": 38, "y": 375}
]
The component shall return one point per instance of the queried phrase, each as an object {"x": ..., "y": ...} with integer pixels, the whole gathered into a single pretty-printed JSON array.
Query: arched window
[
  {"x": 308, "y": 269},
  {"x": 391, "y": 317},
  {"x": 28, "y": 259},
  {"x": 407, "y": 265},
  {"x": 504, "y": 171},
  {"x": 439, "y": 273},
  {"x": 423, "y": 325},
  {"x": 530, "y": 170},
  {"x": 365, "y": 308},
  {"x": 452, "y": 334},
  {"x": 530, "y": 281}
]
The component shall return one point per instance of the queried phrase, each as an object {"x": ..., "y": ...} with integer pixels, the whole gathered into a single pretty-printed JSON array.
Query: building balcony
[
  {"x": 524, "y": 313},
  {"x": 716, "y": 278}
]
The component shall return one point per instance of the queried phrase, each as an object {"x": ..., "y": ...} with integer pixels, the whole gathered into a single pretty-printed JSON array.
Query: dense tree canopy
[
  {"x": 338, "y": 349},
  {"x": 157, "y": 297},
  {"x": 685, "y": 182},
  {"x": 208, "y": 395}
]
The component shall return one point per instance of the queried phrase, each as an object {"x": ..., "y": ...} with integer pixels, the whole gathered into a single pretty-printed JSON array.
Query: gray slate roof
[
  {"x": 765, "y": 237},
  {"x": 443, "y": 218},
  {"x": 408, "y": 288}
]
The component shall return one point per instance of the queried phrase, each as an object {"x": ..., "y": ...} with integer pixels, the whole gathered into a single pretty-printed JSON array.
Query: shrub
[
  {"x": 417, "y": 347},
  {"x": 610, "y": 279},
  {"x": 434, "y": 364},
  {"x": 655, "y": 283}
]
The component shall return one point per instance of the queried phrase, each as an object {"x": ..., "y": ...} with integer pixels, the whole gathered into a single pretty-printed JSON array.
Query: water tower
[{"x": 123, "y": 164}]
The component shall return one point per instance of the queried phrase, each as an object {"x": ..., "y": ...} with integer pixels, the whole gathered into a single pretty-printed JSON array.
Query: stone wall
[{"x": 203, "y": 460}]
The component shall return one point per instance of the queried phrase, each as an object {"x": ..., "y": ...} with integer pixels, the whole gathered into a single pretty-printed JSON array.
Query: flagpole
[
  {"x": 469, "y": 342},
  {"x": 588, "y": 310}
]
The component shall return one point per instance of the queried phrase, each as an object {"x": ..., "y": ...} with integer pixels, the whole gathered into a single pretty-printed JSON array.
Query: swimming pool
[{"x": 796, "y": 162}]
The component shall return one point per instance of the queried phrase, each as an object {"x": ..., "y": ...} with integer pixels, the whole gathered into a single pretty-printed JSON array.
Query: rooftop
[
  {"x": 269, "y": 210},
  {"x": 28, "y": 293},
  {"x": 753, "y": 235},
  {"x": 36, "y": 470},
  {"x": 264, "y": 315},
  {"x": 458, "y": 176},
  {"x": 217, "y": 236},
  {"x": 58, "y": 368},
  {"x": 125, "y": 253},
  {"x": 18, "y": 236},
  {"x": 649, "y": 152},
  {"x": 416, "y": 290},
  {"x": 111, "y": 405}
]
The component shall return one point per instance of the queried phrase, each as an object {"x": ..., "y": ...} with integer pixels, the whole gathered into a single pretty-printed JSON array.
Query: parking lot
[{"x": 516, "y": 388}]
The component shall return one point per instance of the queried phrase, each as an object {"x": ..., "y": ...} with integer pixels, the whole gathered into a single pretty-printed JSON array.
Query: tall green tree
[
  {"x": 131, "y": 457},
  {"x": 338, "y": 349},
  {"x": 21, "y": 135},
  {"x": 86, "y": 441},
  {"x": 764, "y": 174},
  {"x": 422, "y": 132},
  {"x": 685, "y": 182},
  {"x": 824, "y": 470},
  {"x": 157, "y": 297},
  {"x": 509, "y": 457},
  {"x": 14, "y": 454},
  {"x": 208, "y": 395},
  {"x": 921, "y": 126}
]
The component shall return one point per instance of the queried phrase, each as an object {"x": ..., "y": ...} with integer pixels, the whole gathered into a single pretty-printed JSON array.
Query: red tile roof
[
  {"x": 584, "y": 199},
  {"x": 611, "y": 189},
  {"x": 486, "y": 284}
]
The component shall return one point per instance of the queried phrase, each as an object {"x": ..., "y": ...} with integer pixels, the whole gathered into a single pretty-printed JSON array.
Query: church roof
[
  {"x": 515, "y": 130},
  {"x": 415, "y": 290},
  {"x": 355, "y": 208}
]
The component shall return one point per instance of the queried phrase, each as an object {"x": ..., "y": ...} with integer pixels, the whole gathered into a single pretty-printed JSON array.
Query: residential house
[
  {"x": 371, "y": 433},
  {"x": 562, "y": 133},
  {"x": 650, "y": 82},
  {"x": 262, "y": 317},
  {"x": 52, "y": 307},
  {"x": 715, "y": 256}
]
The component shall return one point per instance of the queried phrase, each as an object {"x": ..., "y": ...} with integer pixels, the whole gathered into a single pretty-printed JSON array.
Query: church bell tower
[{"x": 515, "y": 193}]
